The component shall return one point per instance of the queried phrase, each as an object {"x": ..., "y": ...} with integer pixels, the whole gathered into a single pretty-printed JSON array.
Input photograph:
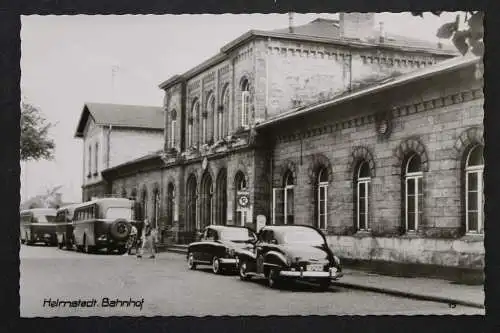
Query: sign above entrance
[
  {"x": 243, "y": 200},
  {"x": 204, "y": 163}
]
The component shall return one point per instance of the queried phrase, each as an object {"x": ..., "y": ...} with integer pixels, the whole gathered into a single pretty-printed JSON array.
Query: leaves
[
  {"x": 447, "y": 30},
  {"x": 476, "y": 25},
  {"x": 460, "y": 41},
  {"x": 35, "y": 141}
]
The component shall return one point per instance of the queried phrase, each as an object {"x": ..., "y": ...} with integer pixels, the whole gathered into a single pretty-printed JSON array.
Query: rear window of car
[{"x": 300, "y": 236}]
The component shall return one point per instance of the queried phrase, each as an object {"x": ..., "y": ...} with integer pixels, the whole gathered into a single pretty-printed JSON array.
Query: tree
[
  {"x": 35, "y": 141},
  {"x": 470, "y": 38}
]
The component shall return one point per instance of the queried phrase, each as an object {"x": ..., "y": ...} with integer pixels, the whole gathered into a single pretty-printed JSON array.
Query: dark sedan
[
  {"x": 217, "y": 247},
  {"x": 290, "y": 252}
]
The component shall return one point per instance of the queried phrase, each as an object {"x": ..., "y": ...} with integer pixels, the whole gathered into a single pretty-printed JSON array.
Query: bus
[
  {"x": 103, "y": 223},
  {"x": 37, "y": 225},
  {"x": 64, "y": 226}
]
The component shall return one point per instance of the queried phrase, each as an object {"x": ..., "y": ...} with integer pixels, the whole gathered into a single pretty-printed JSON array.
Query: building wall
[
  {"x": 425, "y": 117},
  {"x": 291, "y": 74},
  {"x": 128, "y": 144}
]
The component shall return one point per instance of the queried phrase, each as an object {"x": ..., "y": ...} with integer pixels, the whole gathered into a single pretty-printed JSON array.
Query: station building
[{"x": 373, "y": 138}]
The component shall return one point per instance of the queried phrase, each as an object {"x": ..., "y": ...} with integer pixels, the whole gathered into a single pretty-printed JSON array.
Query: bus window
[{"x": 119, "y": 213}]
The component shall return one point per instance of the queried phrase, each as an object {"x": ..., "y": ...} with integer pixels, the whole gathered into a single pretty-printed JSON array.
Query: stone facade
[{"x": 212, "y": 158}]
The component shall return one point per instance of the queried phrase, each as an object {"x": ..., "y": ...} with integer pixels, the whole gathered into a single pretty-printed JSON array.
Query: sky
[{"x": 68, "y": 60}]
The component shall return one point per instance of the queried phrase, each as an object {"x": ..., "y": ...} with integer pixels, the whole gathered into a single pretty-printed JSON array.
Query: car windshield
[
  {"x": 119, "y": 213},
  {"x": 236, "y": 235},
  {"x": 301, "y": 236}
]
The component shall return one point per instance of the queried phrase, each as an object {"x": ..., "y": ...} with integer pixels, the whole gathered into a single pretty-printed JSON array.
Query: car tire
[
  {"x": 273, "y": 280},
  {"x": 191, "y": 263},
  {"x": 243, "y": 269},
  {"x": 216, "y": 267}
]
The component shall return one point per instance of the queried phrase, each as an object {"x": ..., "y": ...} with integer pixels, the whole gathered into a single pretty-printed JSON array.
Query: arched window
[
  {"x": 289, "y": 198},
  {"x": 221, "y": 198},
  {"x": 220, "y": 113},
  {"x": 474, "y": 197},
  {"x": 245, "y": 102},
  {"x": 170, "y": 203},
  {"x": 194, "y": 114},
  {"x": 206, "y": 216},
  {"x": 156, "y": 208},
  {"x": 363, "y": 179},
  {"x": 413, "y": 193},
  {"x": 191, "y": 204},
  {"x": 144, "y": 204},
  {"x": 173, "y": 125},
  {"x": 322, "y": 199},
  {"x": 240, "y": 189}
]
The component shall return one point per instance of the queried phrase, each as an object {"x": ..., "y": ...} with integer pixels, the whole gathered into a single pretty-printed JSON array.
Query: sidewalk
[{"x": 418, "y": 288}]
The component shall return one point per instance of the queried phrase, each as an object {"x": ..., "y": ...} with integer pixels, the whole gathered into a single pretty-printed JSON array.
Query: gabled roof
[
  {"x": 134, "y": 116},
  {"x": 136, "y": 161},
  {"x": 444, "y": 66},
  {"x": 319, "y": 30}
]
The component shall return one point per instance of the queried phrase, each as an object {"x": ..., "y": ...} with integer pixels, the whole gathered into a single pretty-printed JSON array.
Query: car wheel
[
  {"x": 273, "y": 278},
  {"x": 216, "y": 265},
  {"x": 243, "y": 271},
  {"x": 191, "y": 263}
]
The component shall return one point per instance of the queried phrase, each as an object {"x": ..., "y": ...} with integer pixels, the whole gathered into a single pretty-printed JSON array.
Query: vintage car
[
  {"x": 289, "y": 252},
  {"x": 217, "y": 247}
]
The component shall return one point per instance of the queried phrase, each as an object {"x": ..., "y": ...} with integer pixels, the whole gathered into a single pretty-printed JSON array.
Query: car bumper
[
  {"x": 228, "y": 261},
  {"x": 334, "y": 275}
]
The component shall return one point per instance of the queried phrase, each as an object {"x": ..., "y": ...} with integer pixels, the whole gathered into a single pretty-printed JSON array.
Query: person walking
[
  {"x": 132, "y": 241},
  {"x": 148, "y": 236}
]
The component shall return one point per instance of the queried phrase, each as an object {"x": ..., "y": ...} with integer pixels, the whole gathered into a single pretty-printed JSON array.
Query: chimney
[
  {"x": 357, "y": 25},
  {"x": 290, "y": 22},
  {"x": 381, "y": 32}
]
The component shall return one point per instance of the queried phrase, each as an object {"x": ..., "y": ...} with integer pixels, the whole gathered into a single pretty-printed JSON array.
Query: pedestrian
[
  {"x": 147, "y": 239},
  {"x": 131, "y": 241}
]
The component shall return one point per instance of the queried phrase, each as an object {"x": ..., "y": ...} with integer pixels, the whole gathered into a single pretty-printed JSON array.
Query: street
[{"x": 168, "y": 288}]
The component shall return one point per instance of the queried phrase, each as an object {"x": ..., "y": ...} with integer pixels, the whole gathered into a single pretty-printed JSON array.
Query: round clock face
[{"x": 243, "y": 200}]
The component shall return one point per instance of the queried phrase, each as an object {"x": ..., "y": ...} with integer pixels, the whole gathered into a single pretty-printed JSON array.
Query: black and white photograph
[{"x": 252, "y": 164}]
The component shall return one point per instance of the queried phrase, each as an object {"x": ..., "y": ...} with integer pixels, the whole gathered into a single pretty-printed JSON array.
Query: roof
[
  {"x": 149, "y": 156},
  {"x": 135, "y": 116},
  {"x": 40, "y": 210},
  {"x": 319, "y": 30},
  {"x": 391, "y": 82}
]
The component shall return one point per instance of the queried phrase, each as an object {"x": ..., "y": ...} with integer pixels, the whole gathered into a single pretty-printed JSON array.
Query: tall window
[
  {"x": 241, "y": 188},
  {"x": 89, "y": 161},
  {"x": 96, "y": 160},
  {"x": 221, "y": 198},
  {"x": 413, "y": 193},
  {"x": 191, "y": 120},
  {"x": 289, "y": 198},
  {"x": 156, "y": 208},
  {"x": 245, "y": 102},
  {"x": 170, "y": 203},
  {"x": 220, "y": 113},
  {"x": 206, "y": 216},
  {"x": 173, "y": 123},
  {"x": 209, "y": 118},
  {"x": 191, "y": 204},
  {"x": 474, "y": 197},
  {"x": 362, "y": 196},
  {"x": 322, "y": 199},
  {"x": 144, "y": 204}
]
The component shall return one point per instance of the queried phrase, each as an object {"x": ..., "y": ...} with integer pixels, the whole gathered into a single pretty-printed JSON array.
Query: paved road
[{"x": 169, "y": 288}]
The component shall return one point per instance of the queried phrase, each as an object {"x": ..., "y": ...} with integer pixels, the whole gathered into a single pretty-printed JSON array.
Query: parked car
[
  {"x": 217, "y": 247},
  {"x": 289, "y": 252}
]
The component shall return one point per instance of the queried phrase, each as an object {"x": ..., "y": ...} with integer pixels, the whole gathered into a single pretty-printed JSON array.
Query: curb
[{"x": 450, "y": 301}]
